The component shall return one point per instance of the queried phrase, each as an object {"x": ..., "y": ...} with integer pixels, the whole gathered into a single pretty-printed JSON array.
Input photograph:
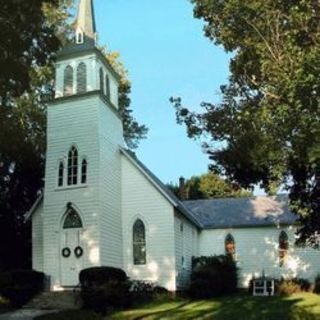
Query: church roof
[{"x": 260, "y": 211}]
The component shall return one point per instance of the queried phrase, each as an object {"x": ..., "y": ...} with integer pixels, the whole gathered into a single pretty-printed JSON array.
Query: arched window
[
  {"x": 84, "y": 171},
  {"x": 139, "y": 243},
  {"x": 82, "y": 78},
  {"x": 72, "y": 220},
  {"x": 68, "y": 81},
  {"x": 73, "y": 166},
  {"x": 229, "y": 245},
  {"x": 107, "y": 86},
  {"x": 60, "y": 174},
  {"x": 101, "y": 80},
  {"x": 283, "y": 248}
]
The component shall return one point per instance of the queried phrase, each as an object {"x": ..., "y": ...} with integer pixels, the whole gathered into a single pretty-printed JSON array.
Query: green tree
[
  {"x": 268, "y": 120},
  {"x": 209, "y": 186}
]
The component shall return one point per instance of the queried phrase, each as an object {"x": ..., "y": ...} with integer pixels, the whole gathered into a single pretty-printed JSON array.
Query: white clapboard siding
[
  {"x": 185, "y": 248},
  {"x": 257, "y": 252},
  {"x": 110, "y": 137},
  {"x": 140, "y": 199}
]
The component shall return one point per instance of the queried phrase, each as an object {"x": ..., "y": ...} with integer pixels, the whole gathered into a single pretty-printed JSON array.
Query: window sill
[{"x": 77, "y": 186}]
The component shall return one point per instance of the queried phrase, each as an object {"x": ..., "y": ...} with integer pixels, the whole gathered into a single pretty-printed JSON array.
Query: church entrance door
[{"x": 72, "y": 250}]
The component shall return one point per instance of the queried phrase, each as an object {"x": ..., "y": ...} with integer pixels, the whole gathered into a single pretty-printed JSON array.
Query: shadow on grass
[{"x": 238, "y": 308}]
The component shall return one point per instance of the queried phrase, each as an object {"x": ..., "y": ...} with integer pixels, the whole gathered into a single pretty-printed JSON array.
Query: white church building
[{"x": 102, "y": 207}]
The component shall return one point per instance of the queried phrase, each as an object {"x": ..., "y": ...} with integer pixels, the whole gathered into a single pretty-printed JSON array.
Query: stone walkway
[{"x": 24, "y": 314}]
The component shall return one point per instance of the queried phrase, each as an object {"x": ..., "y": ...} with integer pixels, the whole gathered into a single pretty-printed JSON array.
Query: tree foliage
[
  {"x": 208, "y": 186},
  {"x": 268, "y": 120},
  {"x": 133, "y": 131}
]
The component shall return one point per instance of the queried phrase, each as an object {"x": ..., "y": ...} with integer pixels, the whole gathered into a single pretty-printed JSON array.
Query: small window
[
  {"x": 283, "y": 248},
  {"x": 82, "y": 78},
  {"x": 181, "y": 227},
  {"x": 139, "y": 243},
  {"x": 230, "y": 248},
  {"x": 72, "y": 220},
  {"x": 73, "y": 166},
  {"x": 101, "y": 80},
  {"x": 84, "y": 171},
  {"x": 60, "y": 174},
  {"x": 79, "y": 37},
  {"x": 107, "y": 86},
  {"x": 68, "y": 81}
]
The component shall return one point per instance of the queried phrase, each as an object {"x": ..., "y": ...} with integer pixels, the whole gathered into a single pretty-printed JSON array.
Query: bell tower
[{"x": 83, "y": 167}]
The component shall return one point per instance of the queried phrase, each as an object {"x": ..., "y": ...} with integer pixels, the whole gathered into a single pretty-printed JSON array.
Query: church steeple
[{"x": 85, "y": 23}]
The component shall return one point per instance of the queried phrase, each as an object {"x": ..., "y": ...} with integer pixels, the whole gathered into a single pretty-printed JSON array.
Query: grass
[{"x": 304, "y": 306}]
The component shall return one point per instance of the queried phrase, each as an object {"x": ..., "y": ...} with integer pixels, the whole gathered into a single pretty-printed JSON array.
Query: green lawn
[{"x": 304, "y": 306}]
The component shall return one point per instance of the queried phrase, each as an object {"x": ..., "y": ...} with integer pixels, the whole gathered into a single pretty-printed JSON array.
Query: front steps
[{"x": 60, "y": 300}]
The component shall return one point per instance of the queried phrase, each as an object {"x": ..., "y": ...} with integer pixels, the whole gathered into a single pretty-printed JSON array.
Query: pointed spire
[{"x": 86, "y": 20}]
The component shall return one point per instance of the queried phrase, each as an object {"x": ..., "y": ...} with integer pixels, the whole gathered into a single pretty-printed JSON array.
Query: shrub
[
  {"x": 71, "y": 315},
  {"x": 317, "y": 284},
  {"x": 20, "y": 286},
  {"x": 291, "y": 286},
  {"x": 213, "y": 276},
  {"x": 143, "y": 291},
  {"x": 103, "y": 288}
]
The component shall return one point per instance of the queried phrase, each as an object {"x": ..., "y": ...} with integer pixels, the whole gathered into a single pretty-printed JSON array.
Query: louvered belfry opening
[
  {"x": 82, "y": 78},
  {"x": 68, "y": 81}
]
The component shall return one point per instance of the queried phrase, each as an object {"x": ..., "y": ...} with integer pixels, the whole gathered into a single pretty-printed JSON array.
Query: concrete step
[{"x": 64, "y": 300}]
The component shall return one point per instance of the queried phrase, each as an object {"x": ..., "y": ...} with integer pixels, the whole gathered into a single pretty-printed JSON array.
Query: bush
[
  {"x": 213, "y": 276},
  {"x": 103, "y": 288},
  {"x": 317, "y": 284},
  {"x": 144, "y": 291},
  {"x": 291, "y": 286},
  {"x": 20, "y": 286},
  {"x": 71, "y": 315}
]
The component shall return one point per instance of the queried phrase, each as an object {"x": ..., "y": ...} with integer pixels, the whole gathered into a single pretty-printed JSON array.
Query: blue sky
[{"x": 166, "y": 54}]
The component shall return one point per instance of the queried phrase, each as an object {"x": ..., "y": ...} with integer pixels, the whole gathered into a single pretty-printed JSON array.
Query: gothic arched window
[
  {"x": 68, "y": 81},
  {"x": 107, "y": 86},
  {"x": 139, "y": 243},
  {"x": 283, "y": 248},
  {"x": 101, "y": 80},
  {"x": 82, "y": 78},
  {"x": 60, "y": 174},
  {"x": 84, "y": 166},
  {"x": 73, "y": 166},
  {"x": 229, "y": 245},
  {"x": 72, "y": 220}
]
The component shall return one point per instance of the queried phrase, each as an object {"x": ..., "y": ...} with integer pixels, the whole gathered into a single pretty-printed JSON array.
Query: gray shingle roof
[{"x": 242, "y": 212}]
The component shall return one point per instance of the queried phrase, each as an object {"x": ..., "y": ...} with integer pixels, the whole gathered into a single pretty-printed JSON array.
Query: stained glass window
[
  {"x": 72, "y": 220},
  {"x": 84, "y": 171},
  {"x": 283, "y": 248},
  {"x": 68, "y": 81},
  {"x": 73, "y": 166},
  {"x": 229, "y": 244},
  {"x": 139, "y": 243},
  {"x": 60, "y": 174},
  {"x": 81, "y": 78}
]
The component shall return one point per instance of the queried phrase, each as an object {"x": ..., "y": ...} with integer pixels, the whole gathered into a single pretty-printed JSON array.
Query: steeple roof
[{"x": 85, "y": 19}]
